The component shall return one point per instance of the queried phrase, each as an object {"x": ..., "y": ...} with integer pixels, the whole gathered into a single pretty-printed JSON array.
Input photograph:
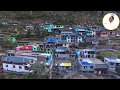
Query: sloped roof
[
  {"x": 62, "y": 42},
  {"x": 51, "y": 39},
  {"x": 101, "y": 66},
  {"x": 79, "y": 29},
  {"x": 85, "y": 63},
  {"x": 16, "y": 59},
  {"x": 62, "y": 49}
]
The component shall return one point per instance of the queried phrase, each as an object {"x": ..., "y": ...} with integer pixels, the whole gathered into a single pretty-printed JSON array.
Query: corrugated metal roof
[
  {"x": 62, "y": 49},
  {"x": 84, "y": 63},
  {"x": 53, "y": 39},
  {"x": 62, "y": 42},
  {"x": 16, "y": 59}
]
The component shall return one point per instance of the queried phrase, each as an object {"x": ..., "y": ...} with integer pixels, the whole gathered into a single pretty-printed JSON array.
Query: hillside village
[{"x": 49, "y": 50}]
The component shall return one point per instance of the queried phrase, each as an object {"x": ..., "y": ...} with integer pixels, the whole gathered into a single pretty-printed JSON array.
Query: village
[{"x": 66, "y": 51}]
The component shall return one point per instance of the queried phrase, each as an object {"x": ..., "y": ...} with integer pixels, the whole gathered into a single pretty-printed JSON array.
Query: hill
[{"x": 58, "y": 17}]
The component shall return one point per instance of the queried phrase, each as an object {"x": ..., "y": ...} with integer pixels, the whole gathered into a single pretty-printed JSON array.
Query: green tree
[
  {"x": 41, "y": 71},
  {"x": 99, "y": 56}
]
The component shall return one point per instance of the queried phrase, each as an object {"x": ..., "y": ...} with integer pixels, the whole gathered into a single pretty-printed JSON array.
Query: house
[
  {"x": 101, "y": 68},
  {"x": 92, "y": 65},
  {"x": 62, "y": 52},
  {"x": 89, "y": 33},
  {"x": 85, "y": 65},
  {"x": 104, "y": 34},
  {"x": 85, "y": 53},
  {"x": 58, "y": 28},
  {"x": 48, "y": 58},
  {"x": 91, "y": 40},
  {"x": 50, "y": 44},
  {"x": 36, "y": 48},
  {"x": 112, "y": 62},
  {"x": 62, "y": 43},
  {"x": 61, "y": 64},
  {"x": 48, "y": 27},
  {"x": 42, "y": 47},
  {"x": 71, "y": 37},
  {"x": 17, "y": 64},
  {"x": 29, "y": 27},
  {"x": 81, "y": 31},
  {"x": 10, "y": 53}
]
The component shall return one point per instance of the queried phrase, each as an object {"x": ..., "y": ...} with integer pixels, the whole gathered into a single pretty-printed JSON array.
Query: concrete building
[
  {"x": 112, "y": 62},
  {"x": 62, "y": 52},
  {"x": 17, "y": 64}
]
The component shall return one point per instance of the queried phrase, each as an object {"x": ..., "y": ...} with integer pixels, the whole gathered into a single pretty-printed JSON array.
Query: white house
[
  {"x": 18, "y": 64},
  {"x": 112, "y": 62}
]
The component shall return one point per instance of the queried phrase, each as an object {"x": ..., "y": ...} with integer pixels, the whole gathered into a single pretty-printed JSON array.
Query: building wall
[
  {"x": 16, "y": 69},
  {"x": 88, "y": 68},
  {"x": 65, "y": 45},
  {"x": 62, "y": 55},
  {"x": 79, "y": 39}
]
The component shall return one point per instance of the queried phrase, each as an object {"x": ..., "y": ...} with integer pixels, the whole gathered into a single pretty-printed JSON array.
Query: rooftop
[
  {"x": 51, "y": 39},
  {"x": 86, "y": 61},
  {"x": 62, "y": 49},
  {"x": 96, "y": 61},
  {"x": 113, "y": 59},
  {"x": 16, "y": 59}
]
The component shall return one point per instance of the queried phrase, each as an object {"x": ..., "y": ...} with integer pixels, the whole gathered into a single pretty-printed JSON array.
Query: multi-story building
[
  {"x": 62, "y": 52},
  {"x": 86, "y": 53},
  {"x": 17, "y": 64},
  {"x": 71, "y": 37},
  {"x": 112, "y": 62}
]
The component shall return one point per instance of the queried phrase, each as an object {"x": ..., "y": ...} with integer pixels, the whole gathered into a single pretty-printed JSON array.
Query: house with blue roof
[
  {"x": 86, "y": 66},
  {"x": 50, "y": 45},
  {"x": 92, "y": 65}
]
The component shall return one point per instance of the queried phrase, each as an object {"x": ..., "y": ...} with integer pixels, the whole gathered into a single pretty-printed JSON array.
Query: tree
[
  {"x": 41, "y": 71},
  {"x": 99, "y": 56},
  {"x": 117, "y": 69}
]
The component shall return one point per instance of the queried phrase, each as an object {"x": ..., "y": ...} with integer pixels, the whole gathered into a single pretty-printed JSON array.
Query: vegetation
[
  {"x": 83, "y": 45},
  {"x": 40, "y": 72},
  {"x": 100, "y": 56},
  {"x": 58, "y": 17},
  {"x": 107, "y": 54}
]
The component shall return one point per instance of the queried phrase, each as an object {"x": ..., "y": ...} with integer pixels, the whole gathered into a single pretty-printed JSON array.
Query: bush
[{"x": 99, "y": 56}]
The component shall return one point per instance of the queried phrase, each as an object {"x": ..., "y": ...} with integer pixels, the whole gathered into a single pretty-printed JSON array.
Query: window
[
  {"x": 13, "y": 66},
  {"x": 91, "y": 66},
  {"x": 92, "y": 55},
  {"x": 117, "y": 64},
  {"x": 31, "y": 61},
  {"x": 20, "y": 67},
  {"x": 88, "y": 56},
  {"x": 26, "y": 68},
  {"x": 6, "y": 65},
  {"x": 85, "y": 67},
  {"x": 111, "y": 63}
]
